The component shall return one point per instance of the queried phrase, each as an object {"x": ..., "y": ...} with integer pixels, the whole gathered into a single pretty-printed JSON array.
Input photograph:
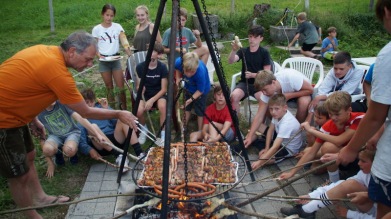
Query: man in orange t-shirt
[{"x": 29, "y": 82}]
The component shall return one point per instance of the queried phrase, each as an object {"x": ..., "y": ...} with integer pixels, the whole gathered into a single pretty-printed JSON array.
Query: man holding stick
[{"x": 29, "y": 82}]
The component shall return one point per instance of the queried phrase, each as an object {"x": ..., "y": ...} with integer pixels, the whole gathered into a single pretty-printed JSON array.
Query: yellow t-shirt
[{"x": 30, "y": 81}]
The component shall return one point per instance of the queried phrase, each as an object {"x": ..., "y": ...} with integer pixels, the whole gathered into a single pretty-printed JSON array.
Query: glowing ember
[{"x": 182, "y": 205}]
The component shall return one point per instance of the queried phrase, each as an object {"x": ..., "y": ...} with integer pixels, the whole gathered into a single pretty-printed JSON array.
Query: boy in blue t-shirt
[
  {"x": 330, "y": 44},
  {"x": 197, "y": 84}
]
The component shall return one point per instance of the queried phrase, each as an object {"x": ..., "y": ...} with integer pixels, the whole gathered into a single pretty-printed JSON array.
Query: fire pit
[
  {"x": 211, "y": 171},
  {"x": 198, "y": 209}
]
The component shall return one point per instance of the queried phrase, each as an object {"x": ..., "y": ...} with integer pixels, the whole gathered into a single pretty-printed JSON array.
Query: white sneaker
[
  {"x": 126, "y": 165},
  {"x": 142, "y": 138},
  {"x": 142, "y": 155},
  {"x": 159, "y": 142}
]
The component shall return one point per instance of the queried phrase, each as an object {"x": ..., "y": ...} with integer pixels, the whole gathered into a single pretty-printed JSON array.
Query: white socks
[
  {"x": 334, "y": 176},
  {"x": 315, "y": 205}
]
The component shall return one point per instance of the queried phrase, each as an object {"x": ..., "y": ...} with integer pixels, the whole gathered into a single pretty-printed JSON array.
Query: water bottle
[{"x": 297, "y": 44}]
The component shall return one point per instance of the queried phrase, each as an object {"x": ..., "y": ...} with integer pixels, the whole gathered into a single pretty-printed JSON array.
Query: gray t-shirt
[
  {"x": 187, "y": 39},
  {"x": 381, "y": 93},
  {"x": 58, "y": 121},
  {"x": 309, "y": 31}
]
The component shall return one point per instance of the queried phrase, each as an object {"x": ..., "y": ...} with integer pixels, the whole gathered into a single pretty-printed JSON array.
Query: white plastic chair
[
  {"x": 307, "y": 66},
  {"x": 276, "y": 67},
  {"x": 211, "y": 69},
  {"x": 361, "y": 96},
  {"x": 131, "y": 74}
]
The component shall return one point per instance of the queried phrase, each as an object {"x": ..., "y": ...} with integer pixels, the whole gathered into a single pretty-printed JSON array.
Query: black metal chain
[
  {"x": 216, "y": 50},
  {"x": 183, "y": 98}
]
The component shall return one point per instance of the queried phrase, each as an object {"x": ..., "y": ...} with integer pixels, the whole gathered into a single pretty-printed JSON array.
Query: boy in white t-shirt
[
  {"x": 293, "y": 84},
  {"x": 355, "y": 188},
  {"x": 287, "y": 142}
]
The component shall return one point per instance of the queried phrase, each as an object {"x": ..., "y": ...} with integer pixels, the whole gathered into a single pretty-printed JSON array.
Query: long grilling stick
[{"x": 237, "y": 42}]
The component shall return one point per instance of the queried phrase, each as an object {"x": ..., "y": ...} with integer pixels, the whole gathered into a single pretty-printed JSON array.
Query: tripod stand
[{"x": 170, "y": 91}]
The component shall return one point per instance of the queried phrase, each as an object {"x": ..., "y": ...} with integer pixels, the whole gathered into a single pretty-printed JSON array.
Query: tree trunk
[
  {"x": 232, "y": 6},
  {"x": 371, "y": 3},
  {"x": 51, "y": 15},
  {"x": 307, "y": 6}
]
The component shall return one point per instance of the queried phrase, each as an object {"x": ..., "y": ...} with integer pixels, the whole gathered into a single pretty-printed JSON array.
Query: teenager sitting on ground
[
  {"x": 114, "y": 132},
  {"x": 154, "y": 90},
  {"x": 354, "y": 188},
  {"x": 295, "y": 87},
  {"x": 330, "y": 44},
  {"x": 63, "y": 134},
  {"x": 254, "y": 59},
  {"x": 288, "y": 140},
  {"x": 333, "y": 135},
  {"x": 219, "y": 115},
  {"x": 321, "y": 116}
]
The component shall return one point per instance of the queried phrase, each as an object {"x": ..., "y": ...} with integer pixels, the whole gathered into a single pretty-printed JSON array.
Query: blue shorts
[
  {"x": 60, "y": 140},
  {"x": 379, "y": 191},
  {"x": 198, "y": 104},
  {"x": 110, "y": 66},
  {"x": 230, "y": 135}
]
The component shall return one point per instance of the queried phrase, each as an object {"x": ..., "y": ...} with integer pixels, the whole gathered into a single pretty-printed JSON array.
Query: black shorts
[
  {"x": 281, "y": 155},
  {"x": 243, "y": 86},
  {"x": 199, "y": 104},
  {"x": 147, "y": 97},
  {"x": 15, "y": 144},
  {"x": 114, "y": 141},
  {"x": 308, "y": 47}
]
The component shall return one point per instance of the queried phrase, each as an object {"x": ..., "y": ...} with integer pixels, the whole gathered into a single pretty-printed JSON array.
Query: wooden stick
[
  {"x": 292, "y": 197},
  {"x": 149, "y": 117},
  {"x": 274, "y": 174},
  {"x": 111, "y": 164},
  {"x": 115, "y": 148},
  {"x": 281, "y": 147},
  {"x": 284, "y": 184},
  {"x": 68, "y": 203}
]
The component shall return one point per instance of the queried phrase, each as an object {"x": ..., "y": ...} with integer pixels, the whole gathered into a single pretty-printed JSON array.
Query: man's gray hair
[{"x": 81, "y": 40}]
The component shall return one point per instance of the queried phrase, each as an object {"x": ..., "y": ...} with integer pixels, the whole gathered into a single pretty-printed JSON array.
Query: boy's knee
[
  {"x": 235, "y": 98},
  {"x": 49, "y": 151},
  {"x": 328, "y": 147}
]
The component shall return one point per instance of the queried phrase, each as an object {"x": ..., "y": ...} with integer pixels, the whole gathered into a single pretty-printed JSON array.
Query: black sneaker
[
  {"x": 59, "y": 159},
  {"x": 297, "y": 209},
  {"x": 74, "y": 160}
]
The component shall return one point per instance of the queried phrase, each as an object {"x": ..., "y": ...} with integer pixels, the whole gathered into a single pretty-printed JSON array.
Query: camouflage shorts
[{"x": 15, "y": 143}]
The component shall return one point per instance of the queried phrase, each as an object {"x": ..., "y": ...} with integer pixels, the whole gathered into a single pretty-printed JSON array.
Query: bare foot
[{"x": 52, "y": 200}]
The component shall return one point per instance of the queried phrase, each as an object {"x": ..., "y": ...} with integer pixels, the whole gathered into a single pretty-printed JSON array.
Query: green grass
[{"x": 26, "y": 23}]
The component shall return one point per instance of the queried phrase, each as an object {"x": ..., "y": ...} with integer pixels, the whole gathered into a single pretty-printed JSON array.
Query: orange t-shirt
[{"x": 30, "y": 81}]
